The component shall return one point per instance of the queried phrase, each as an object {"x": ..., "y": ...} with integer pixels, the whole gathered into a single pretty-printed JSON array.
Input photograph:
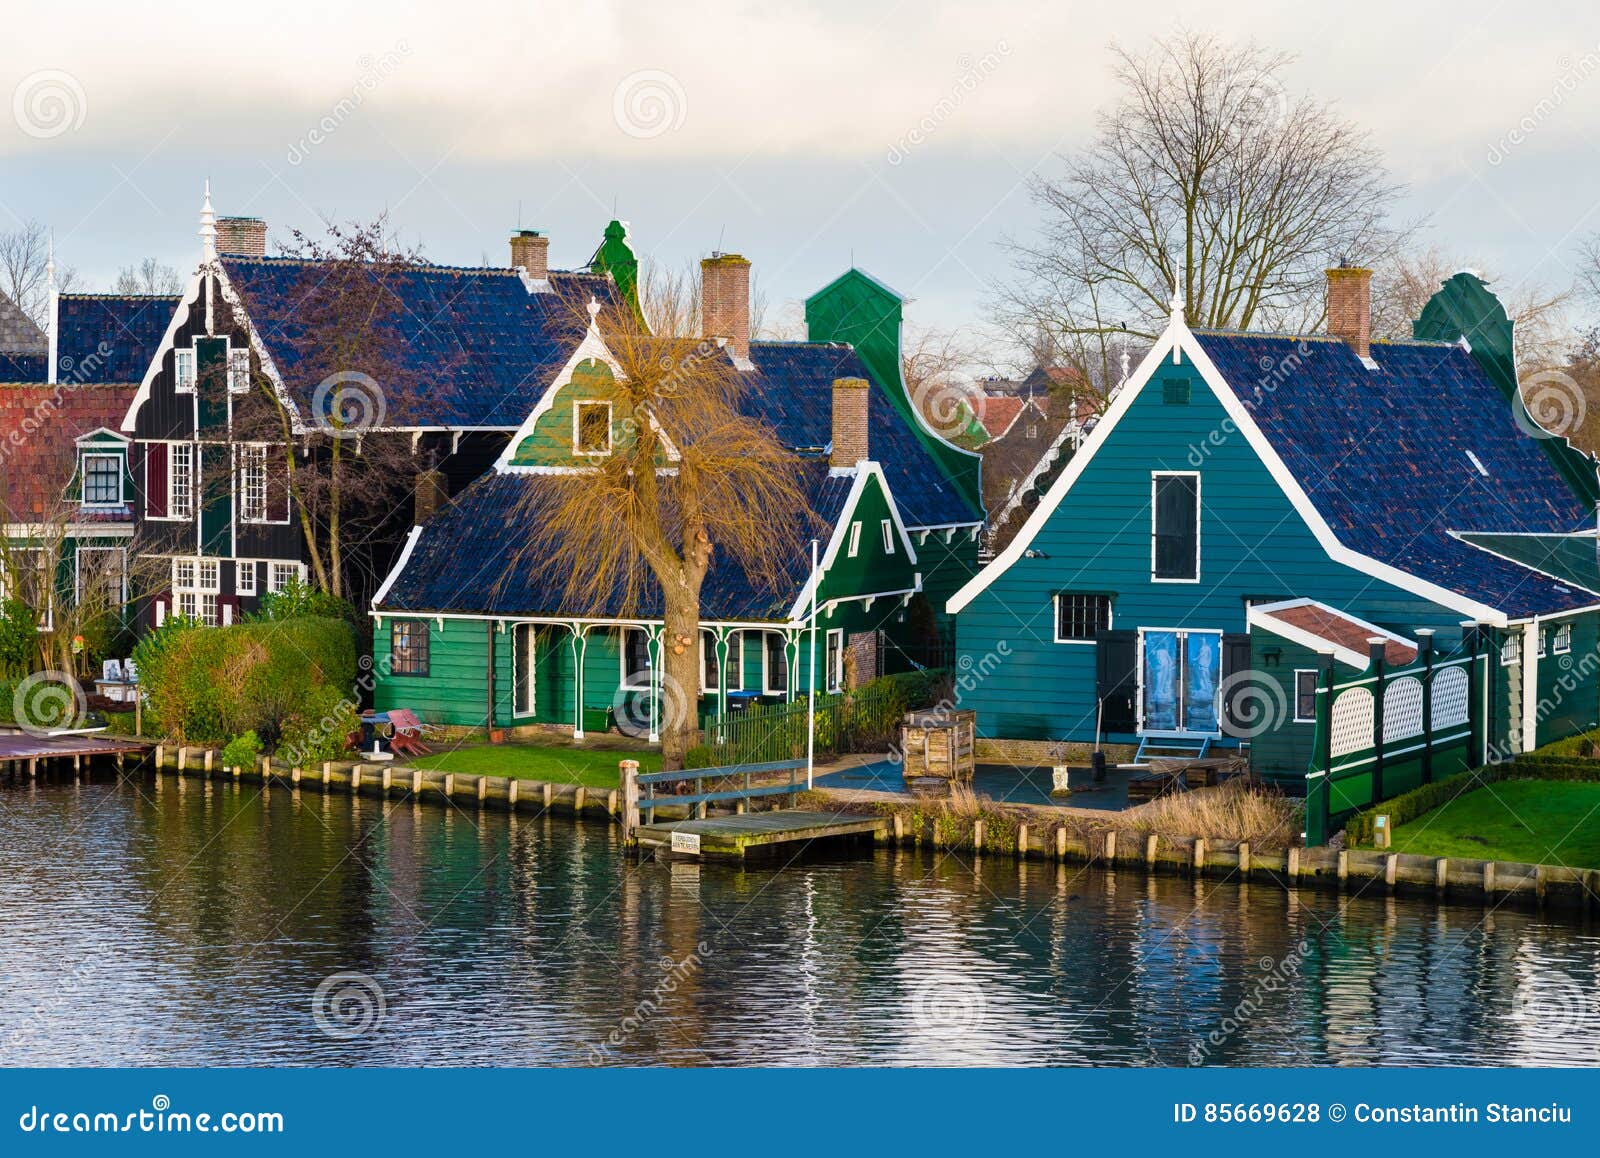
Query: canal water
[{"x": 146, "y": 923}]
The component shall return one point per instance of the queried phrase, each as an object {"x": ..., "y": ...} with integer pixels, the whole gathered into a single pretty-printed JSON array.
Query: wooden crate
[{"x": 938, "y": 743}]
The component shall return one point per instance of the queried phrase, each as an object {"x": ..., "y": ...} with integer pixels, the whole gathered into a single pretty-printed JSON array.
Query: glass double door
[{"x": 1180, "y": 676}]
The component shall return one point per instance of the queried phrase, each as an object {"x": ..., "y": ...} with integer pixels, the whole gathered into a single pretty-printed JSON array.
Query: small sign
[{"x": 686, "y": 842}]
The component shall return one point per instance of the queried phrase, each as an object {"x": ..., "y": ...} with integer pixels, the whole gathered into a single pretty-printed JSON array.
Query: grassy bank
[
  {"x": 594, "y": 765},
  {"x": 1532, "y": 821}
]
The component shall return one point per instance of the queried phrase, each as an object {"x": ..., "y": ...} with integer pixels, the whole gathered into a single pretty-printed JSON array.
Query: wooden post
[
  {"x": 1477, "y": 726},
  {"x": 1375, "y": 648},
  {"x": 1441, "y": 874},
  {"x": 294, "y": 776},
  {"x": 1391, "y": 867},
  {"x": 449, "y": 785},
  {"x": 183, "y": 759},
  {"x": 1244, "y": 858},
  {"x": 511, "y": 792},
  {"x": 578, "y": 798},
  {"x": 1319, "y": 815},
  {"x": 238, "y": 773},
  {"x": 1292, "y": 866},
  {"x": 1061, "y": 842},
  {"x": 1425, "y": 646},
  {"x": 355, "y": 780},
  {"x": 483, "y": 789},
  {"x": 977, "y": 835},
  {"x": 1199, "y": 855},
  {"x": 628, "y": 776},
  {"x": 545, "y": 790},
  {"x": 1022, "y": 842},
  {"x": 1488, "y": 880},
  {"x": 899, "y": 828},
  {"x": 1111, "y": 846},
  {"x": 1151, "y": 843},
  {"x": 208, "y": 762},
  {"x": 416, "y": 782},
  {"x": 1344, "y": 865}
]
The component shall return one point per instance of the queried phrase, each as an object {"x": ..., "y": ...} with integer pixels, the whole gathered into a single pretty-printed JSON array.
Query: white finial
[
  {"x": 208, "y": 226},
  {"x": 594, "y": 309},
  {"x": 53, "y": 322},
  {"x": 1124, "y": 359},
  {"x": 50, "y": 260},
  {"x": 1177, "y": 303}
]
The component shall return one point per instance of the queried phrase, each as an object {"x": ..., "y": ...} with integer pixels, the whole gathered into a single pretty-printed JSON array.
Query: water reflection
[{"x": 183, "y": 923}]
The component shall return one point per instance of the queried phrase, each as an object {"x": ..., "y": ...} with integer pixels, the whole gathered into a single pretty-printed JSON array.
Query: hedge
[
  {"x": 210, "y": 684},
  {"x": 1359, "y": 829}
]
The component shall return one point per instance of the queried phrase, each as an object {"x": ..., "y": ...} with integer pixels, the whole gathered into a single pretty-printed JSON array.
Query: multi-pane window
[
  {"x": 834, "y": 661},
  {"x": 776, "y": 678},
  {"x": 244, "y": 577},
  {"x": 282, "y": 575},
  {"x": 184, "y": 373},
  {"x": 1175, "y": 527},
  {"x": 1081, "y": 616},
  {"x": 408, "y": 647},
  {"x": 732, "y": 665},
  {"x": 253, "y": 484},
  {"x": 635, "y": 657},
  {"x": 180, "y": 480},
  {"x": 195, "y": 587},
  {"x": 102, "y": 480},
  {"x": 592, "y": 428},
  {"x": 1563, "y": 639},
  {"x": 238, "y": 371},
  {"x": 1305, "y": 696},
  {"x": 1538, "y": 642},
  {"x": 1511, "y": 650}
]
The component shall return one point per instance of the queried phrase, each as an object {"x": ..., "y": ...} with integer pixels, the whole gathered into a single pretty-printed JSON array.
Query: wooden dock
[
  {"x": 21, "y": 752},
  {"x": 756, "y": 833}
]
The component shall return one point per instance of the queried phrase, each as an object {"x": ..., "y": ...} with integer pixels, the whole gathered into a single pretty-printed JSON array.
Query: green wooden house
[
  {"x": 1159, "y": 594},
  {"x": 469, "y": 632}
]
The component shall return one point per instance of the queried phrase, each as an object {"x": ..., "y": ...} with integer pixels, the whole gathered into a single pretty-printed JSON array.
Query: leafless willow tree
[
  {"x": 24, "y": 254},
  {"x": 692, "y": 480},
  {"x": 148, "y": 277},
  {"x": 1206, "y": 175}
]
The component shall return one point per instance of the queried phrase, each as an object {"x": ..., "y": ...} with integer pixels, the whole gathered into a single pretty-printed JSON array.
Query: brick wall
[
  {"x": 725, "y": 301},
  {"x": 850, "y": 440}
]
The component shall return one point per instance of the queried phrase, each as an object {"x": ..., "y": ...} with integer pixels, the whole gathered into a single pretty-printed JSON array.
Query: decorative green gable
[
  {"x": 585, "y": 419},
  {"x": 882, "y": 560},
  {"x": 862, "y": 311},
  {"x": 616, "y": 257}
]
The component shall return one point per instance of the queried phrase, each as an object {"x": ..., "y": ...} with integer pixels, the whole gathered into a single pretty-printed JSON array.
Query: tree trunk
[{"x": 680, "y": 669}]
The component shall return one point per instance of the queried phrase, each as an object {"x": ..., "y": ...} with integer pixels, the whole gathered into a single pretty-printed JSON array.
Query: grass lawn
[
  {"x": 594, "y": 764},
  {"x": 1532, "y": 821}
]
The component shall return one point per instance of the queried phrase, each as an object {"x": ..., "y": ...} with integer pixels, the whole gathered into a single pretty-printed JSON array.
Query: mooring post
[{"x": 628, "y": 775}]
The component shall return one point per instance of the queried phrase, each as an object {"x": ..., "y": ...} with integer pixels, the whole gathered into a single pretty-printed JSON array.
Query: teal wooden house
[
  {"x": 470, "y": 632},
  {"x": 1254, "y": 508}
]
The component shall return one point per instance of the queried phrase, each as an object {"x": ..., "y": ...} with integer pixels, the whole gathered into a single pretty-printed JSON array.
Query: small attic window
[
  {"x": 1175, "y": 391},
  {"x": 591, "y": 428},
  {"x": 1478, "y": 464}
]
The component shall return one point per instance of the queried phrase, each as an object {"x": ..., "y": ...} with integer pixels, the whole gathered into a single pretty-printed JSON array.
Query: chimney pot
[
  {"x": 850, "y": 405},
  {"x": 725, "y": 301},
  {"x": 1350, "y": 307},
  {"x": 530, "y": 252},
  {"x": 242, "y": 236}
]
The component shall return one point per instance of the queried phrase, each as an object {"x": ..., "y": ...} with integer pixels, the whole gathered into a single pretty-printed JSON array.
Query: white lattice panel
[
  {"x": 1449, "y": 698},
  {"x": 1352, "y": 722},
  {"x": 1402, "y": 709}
]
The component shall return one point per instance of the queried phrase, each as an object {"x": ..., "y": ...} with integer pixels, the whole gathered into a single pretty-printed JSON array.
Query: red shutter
[
  {"x": 155, "y": 480},
  {"x": 277, "y": 466}
]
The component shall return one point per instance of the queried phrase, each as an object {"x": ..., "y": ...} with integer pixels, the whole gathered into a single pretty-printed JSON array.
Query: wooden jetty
[
  {"x": 23, "y": 752},
  {"x": 745, "y": 833}
]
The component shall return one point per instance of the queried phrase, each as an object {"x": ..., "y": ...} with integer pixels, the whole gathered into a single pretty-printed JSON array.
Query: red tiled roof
[
  {"x": 998, "y": 412},
  {"x": 39, "y": 427},
  {"x": 1342, "y": 631}
]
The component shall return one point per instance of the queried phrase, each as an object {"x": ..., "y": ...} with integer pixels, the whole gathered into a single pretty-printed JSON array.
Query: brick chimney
[
  {"x": 1350, "y": 307},
  {"x": 530, "y": 252},
  {"x": 725, "y": 301},
  {"x": 242, "y": 236},
  {"x": 850, "y": 396},
  {"x": 430, "y": 492}
]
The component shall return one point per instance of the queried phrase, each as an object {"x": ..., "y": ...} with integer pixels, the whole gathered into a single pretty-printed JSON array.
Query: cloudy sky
[{"x": 805, "y": 135}]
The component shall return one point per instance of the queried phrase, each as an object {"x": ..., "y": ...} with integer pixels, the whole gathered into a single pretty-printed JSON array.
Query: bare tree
[
  {"x": 1403, "y": 285},
  {"x": 1207, "y": 176},
  {"x": 693, "y": 479},
  {"x": 24, "y": 254},
  {"x": 148, "y": 277}
]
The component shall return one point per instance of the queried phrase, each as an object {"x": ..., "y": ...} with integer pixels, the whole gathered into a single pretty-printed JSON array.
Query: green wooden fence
[
  {"x": 1392, "y": 731},
  {"x": 850, "y": 721}
]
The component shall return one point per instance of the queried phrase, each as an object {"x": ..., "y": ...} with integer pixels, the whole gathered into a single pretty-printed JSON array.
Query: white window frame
[
  {"x": 119, "y": 460},
  {"x": 1055, "y": 614},
  {"x": 1511, "y": 650},
  {"x": 766, "y": 663},
  {"x": 735, "y": 641},
  {"x": 888, "y": 536},
  {"x": 1561, "y": 644},
  {"x": 833, "y": 680},
  {"x": 1199, "y": 511},
  {"x": 238, "y": 369},
  {"x": 181, "y": 512},
  {"x": 185, "y": 369},
  {"x": 275, "y": 584},
  {"x": 577, "y": 428},
  {"x": 855, "y": 540},
  {"x": 241, "y": 568},
  {"x": 9, "y": 584},
  {"x": 1538, "y": 641},
  {"x": 1294, "y": 708},
  {"x": 1183, "y": 634},
  {"x": 524, "y": 649},
  {"x": 252, "y": 483},
  {"x": 122, "y": 571},
  {"x": 196, "y": 589}
]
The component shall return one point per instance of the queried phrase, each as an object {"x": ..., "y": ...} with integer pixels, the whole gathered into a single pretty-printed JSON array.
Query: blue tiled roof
[
  {"x": 480, "y": 348},
  {"x": 24, "y": 367},
  {"x": 1386, "y": 456},
  {"x": 792, "y": 391},
  {"x": 466, "y": 561},
  {"x": 110, "y": 337}
]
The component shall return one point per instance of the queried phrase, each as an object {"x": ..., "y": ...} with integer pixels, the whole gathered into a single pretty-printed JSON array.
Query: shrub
[
  {"x": 297, "y": 601},
  {"x": 242, "y": 751},
  {"x": 320, "y": 728},
  {"x": 208, "y": 684},
  {"x": 19, "y": 638}
]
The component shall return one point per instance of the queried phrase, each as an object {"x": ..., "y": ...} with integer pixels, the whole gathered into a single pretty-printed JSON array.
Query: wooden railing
[{"x": 641, "y": 794}]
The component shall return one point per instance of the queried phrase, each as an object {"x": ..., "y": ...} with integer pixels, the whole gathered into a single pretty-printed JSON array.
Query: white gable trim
[
  {"x": 99, "y": 430},
  {"x": 865, "y": 470},
  {"x": 1261, "y": 615},
  {"x": 1178, "y": 340},
  {"x": 592, "y": 348},
  {"x": 180, "y": 318},
  {"x": 399, "y": 566}
]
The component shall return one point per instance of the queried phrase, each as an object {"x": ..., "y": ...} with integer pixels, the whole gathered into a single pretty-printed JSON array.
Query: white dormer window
[
  {"x": 239, "y": 371},
  {"x": 102, "y": 480},
  {"x": 888, "y": 537},
  {"x": 591, "y": 428},
  {"x": 855, "y": 540},
  {"x": 183, "y": 371}
]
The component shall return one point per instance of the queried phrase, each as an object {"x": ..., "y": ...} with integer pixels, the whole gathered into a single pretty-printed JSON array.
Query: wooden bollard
[
  {"x": 355, "y": 779},
  {"x": 327, "y": 772},
  {"x": 183, "y": 759},
  {"x": 977, "y": 835},
  {"x": 899, "y": 828},
  {"x": 388, "y": 779},
  {"x": 1111, "y": 846},
  {"x": 449, "y": 784},
  {"x": 1292, "y": 866},
  {"x": 1541, "y": 882},
  {"x": 578, "y": 798},
  {"x": 1151, "y": 843},
  {"x": 1199, "y": 855},
  {"x": 628, "y": 777},
  {"x": 511, "y": 792},
  {"x": 160, "y": 755},
  {"x": 416, "y": 782},
  {"x": 1061, "y": 842},
  {"x": 611, "y": 802},
  {"x": 238, "y": 772},
  {"x": 546, "y": 789},
  {"x": 1391, "y": 868},
  {"x": 1344, "y": 866},
  {"x": 1244, "y": 858},
  {"x": 294, "y": 775},
  {"x": 1441, "y": 874},
  {"x": 208, "y": 762},
  {"x": 483, "y": 789},
  {"x": 1488, "y": 879},
  {"x": 1022, "y": 842}
]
